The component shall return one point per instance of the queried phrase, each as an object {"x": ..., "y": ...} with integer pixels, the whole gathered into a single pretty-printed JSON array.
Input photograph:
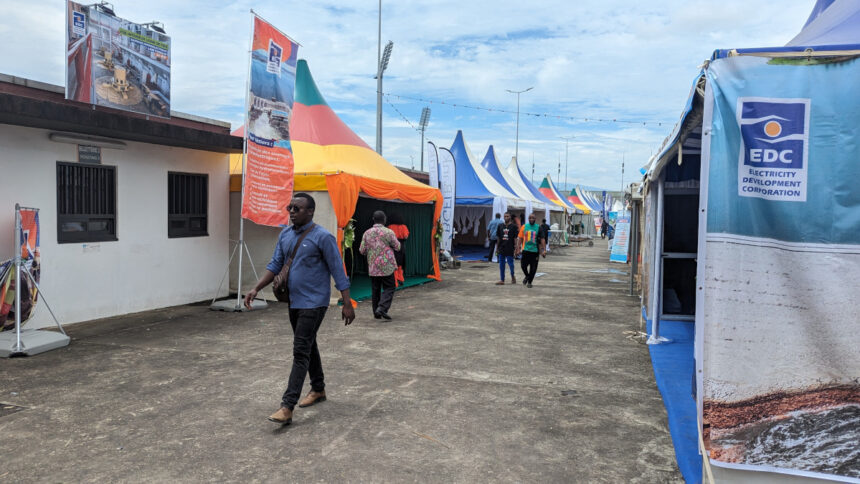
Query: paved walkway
[{"x": 471, "y": 382}]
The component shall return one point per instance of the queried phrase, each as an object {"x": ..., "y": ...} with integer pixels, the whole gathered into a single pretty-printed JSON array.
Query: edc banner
[
  {"x": 447, "y": 182},
  {"x": 113, "y": 62},
  {"x": 269, "y": 157},
  {"x": 777, "y": 320}
]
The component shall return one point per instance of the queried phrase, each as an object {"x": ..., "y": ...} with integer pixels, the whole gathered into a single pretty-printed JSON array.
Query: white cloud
[{"x": 591, "y": 59}]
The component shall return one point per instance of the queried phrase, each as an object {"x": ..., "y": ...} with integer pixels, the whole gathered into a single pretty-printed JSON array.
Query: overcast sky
[{"x": 625, "y": 60}]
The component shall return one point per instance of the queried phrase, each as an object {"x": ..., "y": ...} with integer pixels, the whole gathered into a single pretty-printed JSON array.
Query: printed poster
[{"x": 269, "y": 157}]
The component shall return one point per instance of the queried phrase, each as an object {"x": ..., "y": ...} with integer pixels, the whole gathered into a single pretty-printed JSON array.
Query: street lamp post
[
  {"x": 517, "y": 149},
  {"x": 566, "y": 139}
]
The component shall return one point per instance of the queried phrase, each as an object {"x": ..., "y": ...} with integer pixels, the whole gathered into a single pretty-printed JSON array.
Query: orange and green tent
[
  {"x": 546, "y": 188},
  {"x": 577, "y": 201},
  {"x": 329, "y": 156}
]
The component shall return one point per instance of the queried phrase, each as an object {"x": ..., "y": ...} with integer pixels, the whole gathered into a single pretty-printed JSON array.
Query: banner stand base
[
  {"x": 33, "y": 342},
  {"x": 652, "y": 340},
  {"x": 230, "y": 305}
]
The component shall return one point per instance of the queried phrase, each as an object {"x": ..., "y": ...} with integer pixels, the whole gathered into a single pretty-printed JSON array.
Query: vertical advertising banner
[
  {"x": 621, "y": 240},
  {"x": 113, "y": 62},
  {"x": 447, "y": 182},
  {"x": 432, "y": 164},
  {"x": 776, "y": 323},
  {"x": 28, "y": 240},
  {"x": 269, "y": 157}
]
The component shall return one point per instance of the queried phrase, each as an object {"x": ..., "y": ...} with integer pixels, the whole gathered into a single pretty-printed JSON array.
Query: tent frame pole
[{"x": 657, "y": 289}]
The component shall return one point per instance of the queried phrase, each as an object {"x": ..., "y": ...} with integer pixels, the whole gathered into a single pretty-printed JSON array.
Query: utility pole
[{"x": 517, "y": 148}]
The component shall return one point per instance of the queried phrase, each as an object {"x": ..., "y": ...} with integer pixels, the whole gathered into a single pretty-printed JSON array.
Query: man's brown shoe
[
  {"x": 312, "y": 398},
  {"x": 500, "y": 283},
  {"x": 513, "y": 280},
  {"x": 283, "y": 416}
]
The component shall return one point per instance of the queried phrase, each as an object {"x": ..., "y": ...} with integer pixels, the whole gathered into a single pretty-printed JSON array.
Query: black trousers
[
  {"x": 382, "y": 293},
  {"x": 529, "y": 265},
  {"x": 492, "y": 249},
  {"x": 306, "y": 356}
]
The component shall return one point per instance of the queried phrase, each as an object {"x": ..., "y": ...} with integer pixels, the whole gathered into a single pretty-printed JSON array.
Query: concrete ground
[{"x": 471, "y": 382}]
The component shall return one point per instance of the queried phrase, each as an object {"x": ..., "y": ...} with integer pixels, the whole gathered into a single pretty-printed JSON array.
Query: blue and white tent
[
  {"x": 478, "y": 196},
  {"x": 491, "y": 164},
  {"x": 516, "y": 174},
  {"x": 474, "y": 185},
  {"x": 753, "y": 237}
]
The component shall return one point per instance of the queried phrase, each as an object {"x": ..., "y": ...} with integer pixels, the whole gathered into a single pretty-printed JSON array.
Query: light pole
[
  {"x": 383, "y": 64},
  {"x": 422, "y": 126},
  {"x": 517, "y": 149},
  {"x": 566, "y": 139}
]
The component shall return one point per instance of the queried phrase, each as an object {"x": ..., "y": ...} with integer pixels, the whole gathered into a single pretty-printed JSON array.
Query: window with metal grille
[
  {"x": 86, "y": 203},
  {"x": 187, "y": 204}
]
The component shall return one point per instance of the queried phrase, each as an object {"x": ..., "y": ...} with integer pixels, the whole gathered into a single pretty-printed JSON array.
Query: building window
[
  {"x": 86, "y": 203},
  {"x": 187, "y": 204}
]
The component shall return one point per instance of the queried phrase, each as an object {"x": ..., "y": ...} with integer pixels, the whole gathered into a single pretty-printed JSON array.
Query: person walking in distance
[
  {"x": 531, "y": 245},
  {"x": 315, "y": 261},
  {"x": 506, "y": 235},
  {"x": 544, "y": 233},
  {"x": 379, "y": 243},
  {"x": 492, "y": 228}
]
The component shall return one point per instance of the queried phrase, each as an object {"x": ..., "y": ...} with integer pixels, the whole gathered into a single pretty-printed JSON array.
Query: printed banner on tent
[
  {"x": 620, "y": 241},
  {"x": 447, "y": 181},
  {"x": 432, "y": 164},
  {"x": 269, "y": 156},
  {"x": 113, "y": 62},
  {"x": 777, "y": 321}
]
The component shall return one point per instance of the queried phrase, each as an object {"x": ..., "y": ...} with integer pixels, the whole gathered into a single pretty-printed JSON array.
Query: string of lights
[
  {"x": 522, "y": 113},
  {"x": 398, "y": 112}
]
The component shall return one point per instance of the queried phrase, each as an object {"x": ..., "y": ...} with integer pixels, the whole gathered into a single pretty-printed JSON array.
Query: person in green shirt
[{"x": 531, "y": 245}]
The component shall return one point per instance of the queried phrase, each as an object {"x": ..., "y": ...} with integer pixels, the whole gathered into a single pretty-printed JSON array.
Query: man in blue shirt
[
  {"x": 492, "y": 228},
  {"x": 316, "y": 260}
]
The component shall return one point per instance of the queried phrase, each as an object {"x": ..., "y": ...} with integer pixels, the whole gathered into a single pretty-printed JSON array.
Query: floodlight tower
[
  {"x": 422, "y": 126},
  {"x": 383, "y": 64}
]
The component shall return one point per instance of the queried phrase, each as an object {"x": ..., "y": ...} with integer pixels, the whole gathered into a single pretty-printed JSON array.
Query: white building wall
[{"x": 144, "y": 269}]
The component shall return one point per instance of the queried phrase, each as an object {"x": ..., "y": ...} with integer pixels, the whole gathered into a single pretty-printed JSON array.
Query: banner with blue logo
[
  {"x": 621, "y": 241},
  {"x": 269, "y": 156},
  {"x": 778, "y": 315}
]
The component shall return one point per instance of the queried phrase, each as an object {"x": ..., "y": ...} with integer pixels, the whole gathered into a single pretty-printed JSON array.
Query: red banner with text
[{"x": 269, "y": 156}]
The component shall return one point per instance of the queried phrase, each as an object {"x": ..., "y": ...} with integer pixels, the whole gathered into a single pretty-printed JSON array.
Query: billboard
[
  {"x": 269, "y": 155},
  {"x": 116, "y": 63},
  {"x": 776, "y": 323}
]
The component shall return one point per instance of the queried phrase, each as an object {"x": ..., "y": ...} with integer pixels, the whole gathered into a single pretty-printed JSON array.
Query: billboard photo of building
[{"x": 129, "y": 62}]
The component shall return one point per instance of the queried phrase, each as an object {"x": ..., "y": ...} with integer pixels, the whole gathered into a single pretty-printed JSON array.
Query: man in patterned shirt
[{"x": 379, "y": 244}]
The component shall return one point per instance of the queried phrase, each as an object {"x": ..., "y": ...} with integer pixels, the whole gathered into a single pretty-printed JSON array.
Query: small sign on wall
[{"x": 89, "y": 154}]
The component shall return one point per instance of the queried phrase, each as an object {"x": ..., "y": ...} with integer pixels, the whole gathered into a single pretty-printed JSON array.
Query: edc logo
[
  {"x": 774, "y": 132},
  {"x": 273, "y": 65}
]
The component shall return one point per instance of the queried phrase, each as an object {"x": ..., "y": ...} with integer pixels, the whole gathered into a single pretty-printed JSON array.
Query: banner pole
[
  {"x": 244, "y": 165},
  {"x": 17, "y": 248}
]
